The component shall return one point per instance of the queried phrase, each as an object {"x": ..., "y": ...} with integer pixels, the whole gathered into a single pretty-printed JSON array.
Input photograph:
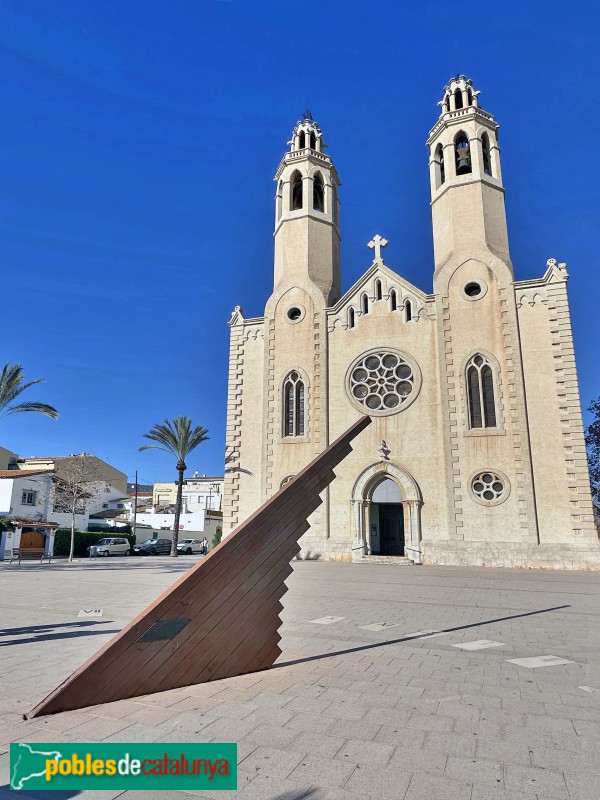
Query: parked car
[
  {"x": 153, "y": 547},
  {"x": 112, "y": 546},
  {"x": 190, "y": 546}
]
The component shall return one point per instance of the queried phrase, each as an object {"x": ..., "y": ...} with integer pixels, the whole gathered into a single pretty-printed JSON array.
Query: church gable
[{"x": 380, "y": 285}]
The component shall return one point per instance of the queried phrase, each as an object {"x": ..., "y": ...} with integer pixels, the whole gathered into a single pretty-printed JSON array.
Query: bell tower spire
[
  {"x": 307, "y": 237},
  {"x": 467, "y": 195}
]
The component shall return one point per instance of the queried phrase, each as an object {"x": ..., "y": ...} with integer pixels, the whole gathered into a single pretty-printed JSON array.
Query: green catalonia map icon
[{"x": 28, "y": 764}]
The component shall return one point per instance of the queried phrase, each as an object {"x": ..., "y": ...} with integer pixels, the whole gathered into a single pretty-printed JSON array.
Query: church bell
[{"x": 463, "y": 158}]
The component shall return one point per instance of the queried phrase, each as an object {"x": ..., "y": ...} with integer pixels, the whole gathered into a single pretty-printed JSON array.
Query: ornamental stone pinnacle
[{"x": 376, "y": 243}]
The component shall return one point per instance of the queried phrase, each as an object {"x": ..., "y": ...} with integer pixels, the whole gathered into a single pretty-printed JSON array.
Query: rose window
[
  {"x": 382, "y": 382},
  {"x": 489, "y": 487}
]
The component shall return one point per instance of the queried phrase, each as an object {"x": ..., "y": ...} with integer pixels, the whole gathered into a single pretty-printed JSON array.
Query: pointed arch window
[
  {"x": 440, "y": 168},
  {"x": 335, "y": 203},
  {"x": 393, "y": 300},
  {"x": 463, "y": 154},
  {"x": 313, "y": 140},
  {"x": 458, "y": 103},
  {"x": 480, "y": 393},
  {"x": 378, "y": 292},
  {"x": 485, "y": 149},
  {"x": 407, "y": 311},
  {"x": 318, "y": 193},
  {"x": 470, "y": 96},
  {"x": 351, "y": 318},
  {"x": 302, "y": 141},
  {"x": 364, "y": 304},
  {"x": 293, "y": 405},
  {"x": 296, "y": 191},
  {"x": 279, "y": 200}
]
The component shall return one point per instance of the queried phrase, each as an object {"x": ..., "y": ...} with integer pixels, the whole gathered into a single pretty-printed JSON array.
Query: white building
[{"x": 29, "y": 499}]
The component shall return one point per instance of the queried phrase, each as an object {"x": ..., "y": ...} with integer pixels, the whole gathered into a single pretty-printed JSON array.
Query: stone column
[
  {"x": 367, "y": 523},
  {"x": 414, "y": 521},
  {"x": 359, "y": 546},
  {"x": 452, "y": 100}
]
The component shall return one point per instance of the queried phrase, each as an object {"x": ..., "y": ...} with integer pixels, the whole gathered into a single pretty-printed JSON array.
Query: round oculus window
[
  {"x": 383, "y": 382},
  {"x": 295, "y": 314},
  {"x": 474, "y": 290},
  {"x": 490, "y": 488}
]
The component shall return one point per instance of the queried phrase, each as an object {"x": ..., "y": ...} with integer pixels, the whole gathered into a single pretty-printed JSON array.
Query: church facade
[{"x": 476, "y": 451}]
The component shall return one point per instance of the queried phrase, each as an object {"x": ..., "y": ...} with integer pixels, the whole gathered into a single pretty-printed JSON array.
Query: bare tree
[{"x": 77, "y": 486}]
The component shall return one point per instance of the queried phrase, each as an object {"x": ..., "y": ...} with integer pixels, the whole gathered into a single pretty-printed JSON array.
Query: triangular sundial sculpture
[{"x": 222, "y": 617}]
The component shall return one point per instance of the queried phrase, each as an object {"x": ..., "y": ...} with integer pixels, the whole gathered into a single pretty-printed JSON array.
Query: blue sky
[{"x": 139, "y": 141}]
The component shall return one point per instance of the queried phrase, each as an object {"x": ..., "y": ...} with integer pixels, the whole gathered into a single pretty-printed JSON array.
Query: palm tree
[
  {"x": 11, "y": 386},
  {"x": 178, "y": 438}
]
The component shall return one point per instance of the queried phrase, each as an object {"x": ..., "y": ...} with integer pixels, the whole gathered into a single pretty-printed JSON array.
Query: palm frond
[
  {"x": 41, "y": 408},
  {"x": 12, "y": 386},
  {"x": 176, "y": 437}
]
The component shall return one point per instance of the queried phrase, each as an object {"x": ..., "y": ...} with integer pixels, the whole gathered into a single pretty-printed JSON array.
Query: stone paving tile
[
  {"x": 355, "y": 729},
  {"x": 430, "y": 722},
  {"x": 323, "y": 772},
  {"x": 150, "y": 715},
  {"x": 268, "y": 736},
  {"x": 135, "y": 733},
  {"x": 491, "y": 793},
  {"x": 314, "y": 705},
  {"x": 273, "y": 788},
  {"x": 345, "y": 710},
  {"x": 585, "y": 728},
  {"x": 228, "y": 730},
  {"x": 429, "y": 787},
  {"x": 232, "y": 710},
  {"x": 317, "y": 744},
  {"x": 98, "y": 728},
  {"x": 271, "y": 762},
  {"x": 382, "y": 784},
  {"x": 310, "y": 722},
  {"x": 455, "y": 744},
  {"x": 365, "y": 754},
  {"x": 504, "y": 750},
  {"x": 552, "y": 782},
  {"x": 270, "y": 715},
  {"x": 398, "y": 735},
  {"x": 479, "y": 730},
  {"x": 475, "y": 769},
  {"x": 418, "y": 761},
  {"x": 271, "y": 699}
]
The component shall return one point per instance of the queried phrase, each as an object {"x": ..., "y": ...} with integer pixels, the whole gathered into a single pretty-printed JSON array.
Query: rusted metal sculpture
[{"x": 222, "y": 617}]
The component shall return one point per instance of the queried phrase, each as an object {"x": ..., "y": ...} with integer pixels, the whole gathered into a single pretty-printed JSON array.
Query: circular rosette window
[
  {"x": 383, "y": 382},
  {"x": 490, "y": 488}
]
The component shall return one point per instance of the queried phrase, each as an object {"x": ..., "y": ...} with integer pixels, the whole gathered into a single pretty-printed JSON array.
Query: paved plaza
[{"x": 395, "y": 682}]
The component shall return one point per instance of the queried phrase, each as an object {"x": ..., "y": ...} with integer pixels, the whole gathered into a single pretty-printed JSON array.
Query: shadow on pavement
[
  {"x": 410, "y": 638},
  {"x": 51, "y": 626},
  {"x": 42, "y": 633}
]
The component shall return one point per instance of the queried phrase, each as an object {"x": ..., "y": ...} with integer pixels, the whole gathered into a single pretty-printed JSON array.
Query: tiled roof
[{"x": 23, "y": 473}]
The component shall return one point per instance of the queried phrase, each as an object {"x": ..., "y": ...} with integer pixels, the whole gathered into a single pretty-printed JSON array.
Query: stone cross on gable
[{"x": 376, "y": 243}]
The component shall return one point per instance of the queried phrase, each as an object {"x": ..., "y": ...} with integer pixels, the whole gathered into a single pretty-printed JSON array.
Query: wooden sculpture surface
[{"x": 222, "y": 617}]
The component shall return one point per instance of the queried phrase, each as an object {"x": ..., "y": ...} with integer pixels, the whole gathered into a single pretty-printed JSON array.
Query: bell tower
[
  {"x": 467, "y": 195},
  {"x": 307, "y": 237}
]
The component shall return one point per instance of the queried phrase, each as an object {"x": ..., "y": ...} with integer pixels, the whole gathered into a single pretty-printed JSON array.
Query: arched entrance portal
[
  {"x": 386, "y": 519},
  {"x": 387, "y": 513}
]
